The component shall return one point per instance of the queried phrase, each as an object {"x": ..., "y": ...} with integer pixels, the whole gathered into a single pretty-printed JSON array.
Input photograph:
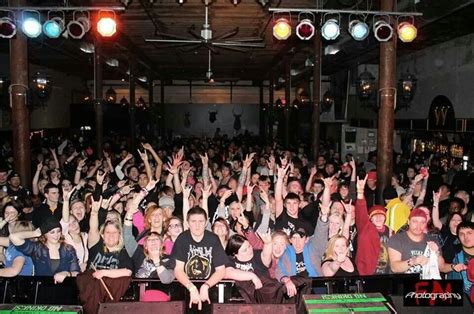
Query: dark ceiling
[{"x": 442, "y": 21}]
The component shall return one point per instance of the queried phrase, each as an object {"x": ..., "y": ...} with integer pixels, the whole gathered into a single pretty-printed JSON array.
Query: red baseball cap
[
  {"x": 372, "y": 175},
  {"x": 417, "y": 212}
]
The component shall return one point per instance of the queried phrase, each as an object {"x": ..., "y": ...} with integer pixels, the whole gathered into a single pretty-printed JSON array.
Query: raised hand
[
  {"x": 100, "y": 177},
  {"x": 143, "y": 156},
  {"x": 206, "y": 192},
  {"x": 361, "y": 183},
  {"x": 187, "y": 191},
  {"x": 151, "y": 185},
  {"x": 226, "y": 195},
  {"x": 39, "y": 166},
  {"x": 243, "y": 221},
  {"x": 313, "y": 171},
  {"x": 324, "y": 210},
  {"x": 204, "y": 159},
  {"x": 436, "y": 197},
  {"x": 282, "y": 171},
  {"x": 264, "y": 197},
  {"x": 67, "y": 195},
  {"x": 266, "y": 237},
  {"x": 147, "y": 146},
  {"x": 347, "y": 207},
  {"x": 95, "y": 206},
  {"x": 248, "y": 160}
]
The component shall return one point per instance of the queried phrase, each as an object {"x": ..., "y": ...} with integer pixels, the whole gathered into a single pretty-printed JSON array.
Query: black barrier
[{"x": 42, "y": 290}]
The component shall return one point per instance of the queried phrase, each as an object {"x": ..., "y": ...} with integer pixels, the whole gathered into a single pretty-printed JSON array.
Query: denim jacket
[{"x": 40, "y": 255}]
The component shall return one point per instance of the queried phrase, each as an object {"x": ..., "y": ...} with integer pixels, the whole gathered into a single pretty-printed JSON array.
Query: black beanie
[{"x": 49, "y": 224}]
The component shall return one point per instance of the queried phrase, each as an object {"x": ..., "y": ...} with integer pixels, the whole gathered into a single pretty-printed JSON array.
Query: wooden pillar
[
  {"x": 387, "y": 85},
  {"x": 270, "y": 108},
  {"x": 162, "y": 109},
  {"x": 286, "y": 109},
  {"x": 20, "y": 114},
  {"x": 133, "y": 108},
  {"x": 262, "y": 114},
  {"x": 98, "y": 98},
  {"x": 316, "y": 117}
]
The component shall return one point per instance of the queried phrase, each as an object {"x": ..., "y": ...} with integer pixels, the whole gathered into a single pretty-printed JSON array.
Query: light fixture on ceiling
[
  {"x": 112, "y": 62},
  {"x": 365, "y": 85},
  {"x": 359, "y": 30},
  {"x": 235, "y": 2},
  {"x": 180, "y": 1},
  {"x": 126, "y": 2},
  {"x": 383, "y": 31},
  {"x": 407, "y": 31},
  {"x": 305, "y": 28},
  {"x": 7, "y": 26},
  {"x": 330, "y": 29},
  {"x": 111, "y": 96},
  {"x": 263, "y": 2},
  {"x": 79, "y": 25},
  {"x": 282, "y": 29},
  {"x": 106, "y": 26},
  {"x": 87, "y": 47},
  {"x": 54, "y": 26},
  {"x": 143, "y": 79},
  {"x": 31, "y": 25}
]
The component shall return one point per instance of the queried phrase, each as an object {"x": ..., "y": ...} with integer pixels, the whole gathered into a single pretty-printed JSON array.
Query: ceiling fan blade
[
  {"x": 212, "y": 49},
  {"x": 234, "y": 48},
  {"x": 177, "y": 45},
  {"x": 238, "y": 44},
  {"x": 167, "y": 35},
  {"x": 228, "y": 34},
  {"x": 248, "y": 39},
  {"x": 194, "y": 33},
  {"x": 151, "y": 40},
  {"x": 192, "y": 48}
]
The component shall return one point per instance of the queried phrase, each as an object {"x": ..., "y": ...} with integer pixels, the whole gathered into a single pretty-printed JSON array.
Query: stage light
[
  {"x": 106, "y": 26},
  {"x": 305, "y": 29},
  {"x": 142, "y": 79},
  {"x": 181, "y": 1},
  {"x": 358, "y": 30},
  {"x": 79, "y": 26},
  {"x": 407, "y": 32},
  {"x": 31, "y": 26},
  {"x": 282, "y": 29},
  {"x": 7, "y": 27},
  {"x": 330, "y": 29},
  {"x": 383, "y": 31},
  {"x": 235, "y": 2},
  {"x": 54, "y": 26}
]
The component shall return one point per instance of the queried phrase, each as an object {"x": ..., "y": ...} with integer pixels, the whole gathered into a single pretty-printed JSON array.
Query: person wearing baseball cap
[
  {"x": 370, "y": 192},
  {"x": 406, "y": 249},
  {"x": 373, "y": 236}
]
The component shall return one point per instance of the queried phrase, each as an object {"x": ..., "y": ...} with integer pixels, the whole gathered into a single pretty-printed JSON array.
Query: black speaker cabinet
[
  {"x": 175, "y": 307},
  {"x": 253, "y": 308}
]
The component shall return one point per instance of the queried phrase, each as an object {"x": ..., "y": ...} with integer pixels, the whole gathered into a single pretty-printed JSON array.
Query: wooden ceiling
[{"x": 142, "y": 19}]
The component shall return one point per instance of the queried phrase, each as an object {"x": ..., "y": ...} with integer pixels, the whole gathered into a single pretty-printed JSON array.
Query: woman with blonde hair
[
  {"x": 50, "y": 254},
  {"x": 336, "y": 262},
  {"x": 108, "y": 263}
]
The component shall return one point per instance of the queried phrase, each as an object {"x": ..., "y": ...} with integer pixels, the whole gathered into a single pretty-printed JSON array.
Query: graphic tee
[
  {"x": 288, "y": 224},
  {"x": 300, "y": 265},
  {"x": 383, "y": 266},
  {"x": 102, "y": 259},
  {"x": 254, "y": 265},
  {"x": 200, "y": 258},
  {"x": 408, "y": 248}
]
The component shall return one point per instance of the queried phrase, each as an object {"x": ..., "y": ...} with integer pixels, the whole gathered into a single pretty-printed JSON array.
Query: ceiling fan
[{"x": 206, "y": 40}]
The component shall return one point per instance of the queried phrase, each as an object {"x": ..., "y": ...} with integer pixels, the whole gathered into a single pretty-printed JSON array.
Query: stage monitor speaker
[
  {"x": 253, "y": 308},
  {"x": 175, "y": 307}
]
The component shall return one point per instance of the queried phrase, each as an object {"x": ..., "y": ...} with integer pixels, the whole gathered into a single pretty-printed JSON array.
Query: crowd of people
[{"x": 266, "y": 217}]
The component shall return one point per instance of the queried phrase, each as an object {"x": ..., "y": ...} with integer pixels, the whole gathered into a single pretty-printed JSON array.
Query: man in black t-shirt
[{"x": 199, "y": 255}]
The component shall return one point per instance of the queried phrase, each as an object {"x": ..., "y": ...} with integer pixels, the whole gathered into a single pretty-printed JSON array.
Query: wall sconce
[
  {"x": 327, "y": 101},
  {"x": 365, "y": 85},
  {"x": 111, "y": 96},
  {"x": 41, "y": 85},
  {"x": 407, "y": 88}
]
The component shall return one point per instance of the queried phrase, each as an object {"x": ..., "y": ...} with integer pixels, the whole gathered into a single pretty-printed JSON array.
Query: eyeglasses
[{"x": 174, "y": 226}]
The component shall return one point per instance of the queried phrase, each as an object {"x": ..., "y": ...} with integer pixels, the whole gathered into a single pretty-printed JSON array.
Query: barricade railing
[{"x": 43, "y": 290}]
